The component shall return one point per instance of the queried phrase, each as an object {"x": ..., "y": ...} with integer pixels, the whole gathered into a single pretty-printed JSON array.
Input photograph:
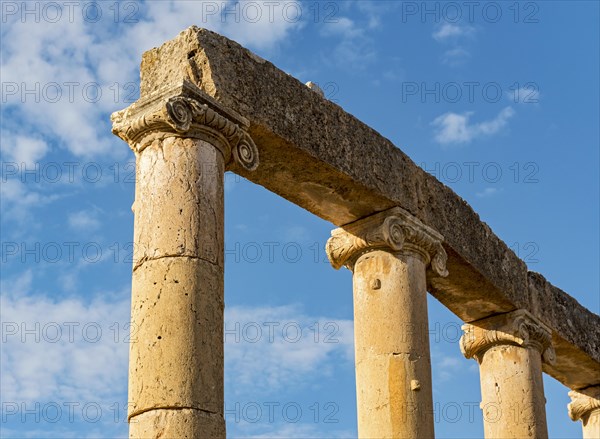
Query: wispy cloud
[
  {"x": 302, "y": 431},
  {"x": 344, "y": 27},
  {"x": 445, "y": 366},
  {"x": 62, "y": 351},
  {"x": 450, "y": 31},
  {"x": 85, "y": 220},
  {"x": 454, "y": 128},
  {"x": 63, "y": 78},
  {"x": 455, "y": 57},
  {"x": 487, "y": 192},
  {"x": 454, "y": 35},
  {"x": 274, "y": 347},
  {"x": 24, "y": 149},
  {"x": 19, "y": 201},
  {"x": 354, "y": 46}
]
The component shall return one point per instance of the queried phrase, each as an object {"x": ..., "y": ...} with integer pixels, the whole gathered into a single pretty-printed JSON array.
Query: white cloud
[
  {"x": 487, "y": 192},
  {"x": 65, "y": 358},
  {"x": 84, "y": 220},
  {"x": 54, "y": 353},
  {"x": 344, "y": 27},
  {"x": 355, "y": 46},
  {"x": 18, "y": 202},
  {"x": 55, "y": 69},
  {"x": 301, "y": 431},
  {"x": 449, "y": 31},
  {"x": 23, "y": 149},
  {"x": 455, "y": 57},
  {"x": 270, "y": 353},
  {"x": 444, "y": 367},
  {"x": 454, "y": 128}
]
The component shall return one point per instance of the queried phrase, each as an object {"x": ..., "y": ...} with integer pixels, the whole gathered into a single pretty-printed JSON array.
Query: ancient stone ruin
[{"x": 208, "y": 105}]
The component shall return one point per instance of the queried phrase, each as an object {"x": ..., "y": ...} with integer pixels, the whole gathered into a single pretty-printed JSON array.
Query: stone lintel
[
  {"x": 184, "y": 110},
  {"x": 583, "y": 402},
  {"x": 518, "y": 328},
  {"x": 394, "y": 230},
  {"x": 325, "y": 160}
]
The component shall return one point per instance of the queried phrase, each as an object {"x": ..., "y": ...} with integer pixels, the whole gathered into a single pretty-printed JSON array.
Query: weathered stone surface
[
  {"x": 171, "y": 424},
  {"x": 509, "y": 349},
  {"x": 576, "y": 332},
  {"x": 512, "y": 392},
  {"x": 391, "y": 342},
  {"x": 176, "y": 353},
  {"x": 389, "y": 253},
  {"x": 179, "y": 197},
  {"x": 343, "y": 171}
]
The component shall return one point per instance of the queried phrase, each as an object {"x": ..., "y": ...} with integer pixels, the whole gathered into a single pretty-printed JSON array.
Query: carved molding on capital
[
  {"x": 517, "y": 328},
  {"x": 186, "y": 111},
  {"x": 393, "y": 230},
  {"x": 583, "y": 402}
]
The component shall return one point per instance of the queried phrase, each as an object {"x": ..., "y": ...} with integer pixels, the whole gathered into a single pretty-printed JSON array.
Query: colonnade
[{"x": 184, "y": 141}]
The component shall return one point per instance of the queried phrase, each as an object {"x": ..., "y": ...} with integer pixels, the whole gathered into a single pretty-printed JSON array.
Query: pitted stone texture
[
  {"x": 393, "y": 365},
  {"x": 509, "y": 350},
  {"x": 177, "y": 424},
  {"x": 512, "y": 392},
  {"x": 344, "y": 170},
  {"x": 576, "y": 331},
  {"x": 179, "y": 201},
  {"x": 176, "y": 354}
]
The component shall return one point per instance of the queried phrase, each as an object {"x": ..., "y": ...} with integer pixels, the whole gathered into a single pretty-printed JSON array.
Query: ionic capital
[
  {"x": 186, "y": 111},
  {"x": 583, "y": 402},
  {"x": 393, "y": 230},
  {"x": 518, "y": 328}
]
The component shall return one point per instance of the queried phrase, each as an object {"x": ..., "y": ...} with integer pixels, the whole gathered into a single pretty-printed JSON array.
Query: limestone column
[
  {"x": 183, "y": 141},
  {"x": 585, "y": 406},
  {"x": 510, "y": 349},
  {"x": 388, "y": 254}
]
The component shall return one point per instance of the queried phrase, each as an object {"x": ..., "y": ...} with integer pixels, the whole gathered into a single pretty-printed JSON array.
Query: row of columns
[
  {"x": 184, "y": 141},
  {"x": 389, "y": 254}
]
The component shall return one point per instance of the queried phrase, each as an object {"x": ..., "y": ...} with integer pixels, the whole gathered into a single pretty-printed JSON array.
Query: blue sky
[{"x": 499, "y": 100}]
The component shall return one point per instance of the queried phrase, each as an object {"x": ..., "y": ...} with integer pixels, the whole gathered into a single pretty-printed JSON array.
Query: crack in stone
[{"x": 146, "y": 258}]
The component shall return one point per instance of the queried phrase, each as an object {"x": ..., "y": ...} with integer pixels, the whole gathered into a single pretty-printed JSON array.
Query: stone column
[
  {"x": 182, "y": 140},
  {"x": 585, "y": 406},
  {"x": 510, "y": 349},
  {"x": 388, "y": 254}
]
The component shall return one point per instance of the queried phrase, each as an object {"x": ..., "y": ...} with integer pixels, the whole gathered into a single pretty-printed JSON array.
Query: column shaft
[
  {"x": 512, "y": 393},
  {"x": 389, "y": 254},
  {"x": 509, "y": 349},
  {"x": 393, "y": 366},
  {"x": 591, "y": 425},
  {"x": 176, "y": 354}
]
